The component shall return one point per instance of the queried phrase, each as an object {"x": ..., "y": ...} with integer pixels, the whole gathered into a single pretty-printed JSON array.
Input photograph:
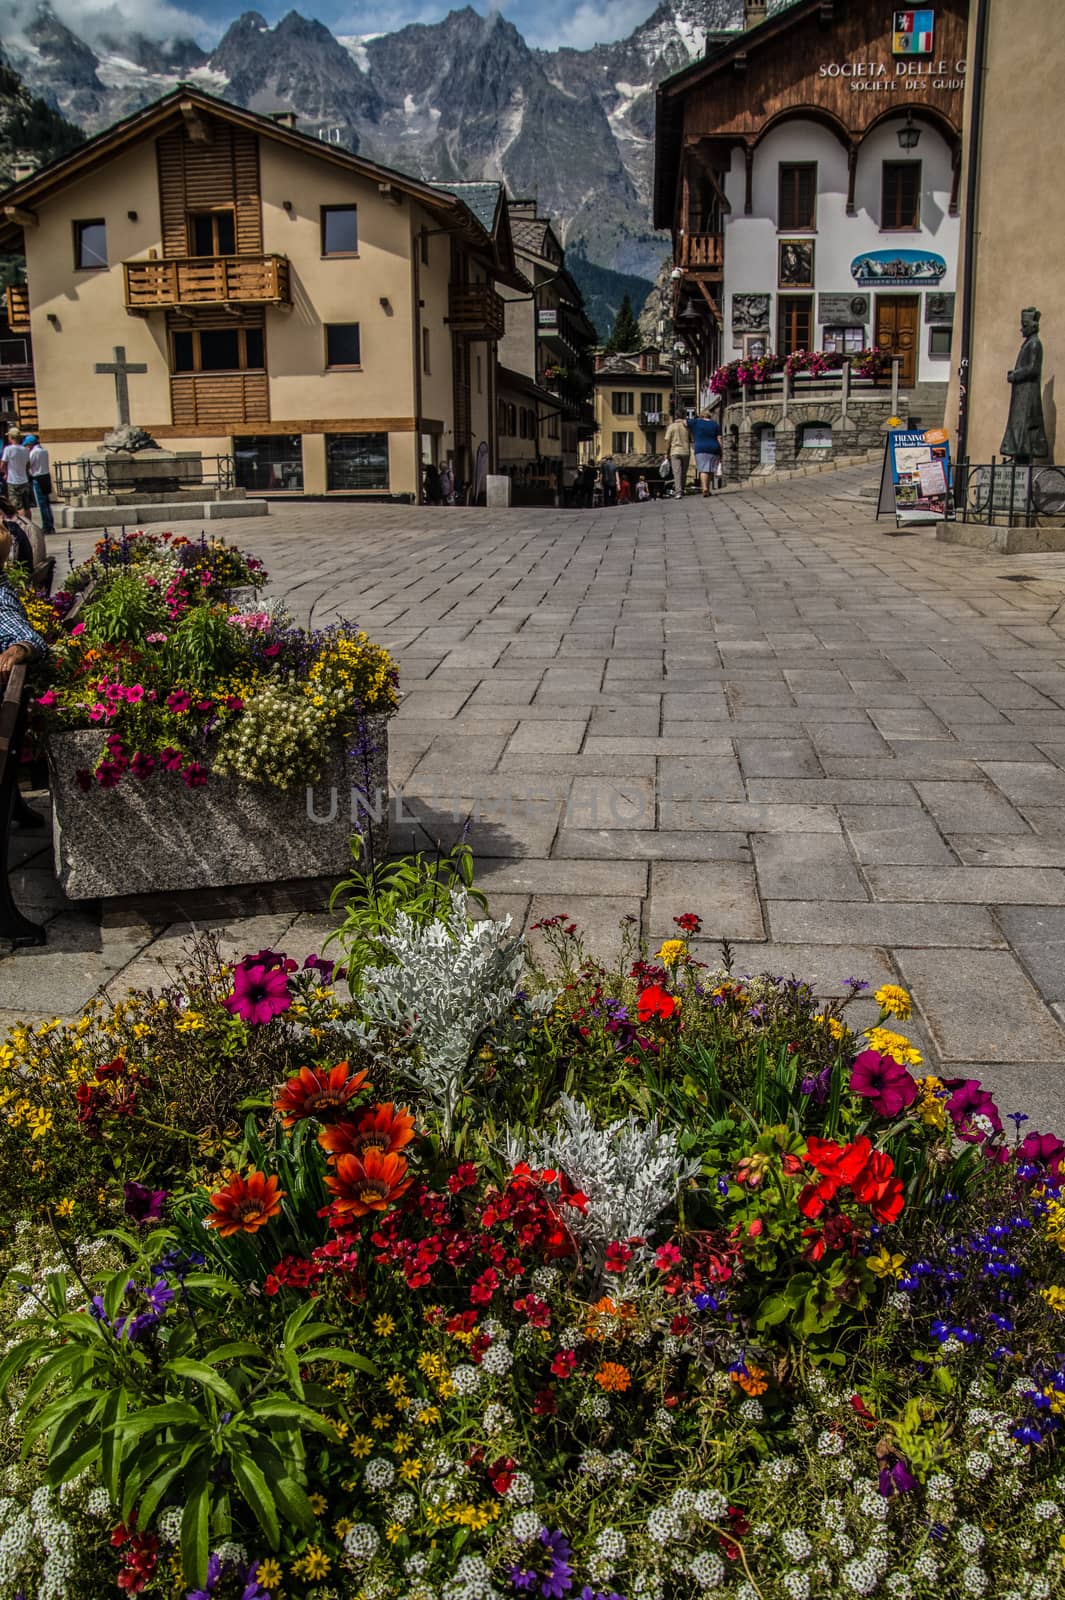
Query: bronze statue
[{"x": 1025, "y": 437}]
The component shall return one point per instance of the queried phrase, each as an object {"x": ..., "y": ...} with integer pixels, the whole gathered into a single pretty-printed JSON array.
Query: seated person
[{"x": 19, "y": 642}]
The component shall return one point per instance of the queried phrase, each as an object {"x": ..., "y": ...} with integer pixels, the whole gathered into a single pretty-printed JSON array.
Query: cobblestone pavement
[{"x": 844, "y": 749}]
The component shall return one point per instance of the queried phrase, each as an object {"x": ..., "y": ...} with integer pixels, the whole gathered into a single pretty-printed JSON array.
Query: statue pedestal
[{"x": 107, "y": 475}]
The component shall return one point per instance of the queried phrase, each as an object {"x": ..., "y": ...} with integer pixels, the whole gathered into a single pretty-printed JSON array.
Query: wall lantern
[
  {"x": 689, "y": 315},
  {"x": 910, "y": 134}
]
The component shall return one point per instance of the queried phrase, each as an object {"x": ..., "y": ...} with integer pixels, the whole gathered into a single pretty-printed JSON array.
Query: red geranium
[{"x": 654, "y": 1001}]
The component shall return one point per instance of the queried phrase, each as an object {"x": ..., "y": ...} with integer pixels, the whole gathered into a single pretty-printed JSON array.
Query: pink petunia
[
  {"x": 259, "y": 994},
  {"x": 884, "y": 1082}
]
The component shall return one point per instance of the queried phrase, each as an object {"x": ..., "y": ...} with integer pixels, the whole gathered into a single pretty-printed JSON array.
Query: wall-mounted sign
[
  {"x": 843, "y": 310},
  {"x": 912, "y": 33},
  {"x": 547, "y": 317},
  {"x": 750, "y": 313},
  {"x": 939, "y": 308},
  {"x": 885, "y": 77},
  {"x": 887, "y": 268}
]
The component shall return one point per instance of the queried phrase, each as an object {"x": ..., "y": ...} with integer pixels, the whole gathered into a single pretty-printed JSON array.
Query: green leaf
[
  {"x": 343, "y": 1358},
  {"x": 237, "y": 1349},
  {"x": 199, "y": 1372},
  {"x": 174, "y": 1414},
  {"x": 251, "y": 1481},
  {"x": 195, "y": 1535},
  {"x": 274, "y": 1410},
  {"x": 20, "y": 1357},
  {"x": 292, "y": 1499},
  {"x": 115, "y": 1292},
  {"x": 71, "y": 1463},
  {"x": 150, "y": 1497},
  {"x": 111, "y": 1450},
  {"x": 48, "y": 1370}
]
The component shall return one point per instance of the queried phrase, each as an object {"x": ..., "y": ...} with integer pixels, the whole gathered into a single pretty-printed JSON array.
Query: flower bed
[
  {"x": 801, "y": 363},
  {"x": 444, "y": 1277}
]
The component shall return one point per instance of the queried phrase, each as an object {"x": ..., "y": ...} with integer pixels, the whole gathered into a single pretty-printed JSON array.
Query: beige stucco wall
[
  {"x": 608, "y": 421},
  {"x": 1019, "y": 240},
  {"x": 90, "y": 306},
  {"x": 433, "y": 279}
]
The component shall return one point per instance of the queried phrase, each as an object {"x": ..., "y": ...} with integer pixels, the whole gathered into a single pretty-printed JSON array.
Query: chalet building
[
  {"x": 808, "y": 168},
  {"x": 18, "y": 398},
  {"x": 633, "y": 394},
  {"x": 545, "y": 372},
  {"x": 241, "y": 289}
]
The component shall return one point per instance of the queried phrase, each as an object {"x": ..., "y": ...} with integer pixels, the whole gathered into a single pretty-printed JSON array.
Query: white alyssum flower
[
  {"x": 796, "y": 1584},
  {"x": 751, "y": 1410},
  {"x": 497, "y": 1418},
  {"x": 796, "y": 1544},
  {"x": 978, "y": 1464},
  {"x": 522, "y": 1490},
  {"x": 379, "y": 1473},
  {"x": 829, "y": 1443},
  {"x": 710, "y": 1504},
  {"x": 708, "y": 1569},
  {"x": 611, "y": 1544},
  {"x": 899, "y": 1585},
  {"x": 402, "y": 1506},
  {"x": 466, "y": 1378},
  {"x": 497, "y": 1360},
  {"x": 974, "y": 1580},
  {"x": 361, "y": 1542},
  {"x": 970, "y": 1537},
  {"x": 98, "y": 1504},
  {"x": 940, "y": 1486},
  {"x": 926, "y": 1566},
  {"x": 663, "y": 1525},
  {"x": 861, "y": 1575},
  {"x": 495, "y": 1329},
  {"x": 1045, "y": 1510},
  {"x": 526, "y": 1527}
]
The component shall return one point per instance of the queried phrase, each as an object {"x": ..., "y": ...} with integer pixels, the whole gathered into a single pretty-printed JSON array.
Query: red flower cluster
[
  {"x": 112, "y": 1091},
  {"x": 654, "y": 1001},
  {"x": 141, "y": 1555},
  {"x": 869, "y": 1175}
]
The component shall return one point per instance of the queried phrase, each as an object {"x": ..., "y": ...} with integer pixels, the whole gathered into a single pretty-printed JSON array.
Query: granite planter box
[{"x": 158, "y": 836}]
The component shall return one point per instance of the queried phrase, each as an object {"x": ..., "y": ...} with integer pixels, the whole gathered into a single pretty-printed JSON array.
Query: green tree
[{"x": 626, "y": 334}]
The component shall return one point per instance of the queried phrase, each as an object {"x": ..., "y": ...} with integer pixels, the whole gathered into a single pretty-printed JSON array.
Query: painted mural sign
[
  {"x": 893, "y": 268},
  {"x": 912, "y": 33}
]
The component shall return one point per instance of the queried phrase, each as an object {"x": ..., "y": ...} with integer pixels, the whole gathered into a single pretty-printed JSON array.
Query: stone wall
[{"x": 743, "y": 428}]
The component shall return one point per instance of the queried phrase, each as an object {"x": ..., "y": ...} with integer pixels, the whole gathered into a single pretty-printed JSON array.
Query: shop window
[
  {"x": 90, "y": 245},
  {"x": 621, "y": 403},
  {"x": 342, "y": 344},
  {"x": 340, "y": 230},
  {"x": 815, "y": 436},
  {"x": 269, "y": 461},
  {"x": 797, "y": 204},
  {"x": 212, "y": 233},
  {"x": 795, "y": 314},
  {"x": 356, "y": 460},
  {"x": 622, "y": 444},
  {"x": 901, "y": 197},
  {"x": 767, "y": 447},
  {"x": 218, "y": 350},
  {"x": 940, "y": 341},
  {"x": 843, "y": 341}
]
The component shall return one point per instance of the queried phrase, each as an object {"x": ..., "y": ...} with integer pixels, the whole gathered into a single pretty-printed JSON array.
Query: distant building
[
  {"x": 328, "y": 323},
  {"x": 633, "y": 394},
  {"x": 1013, "y": 226},
  {"x": 545, "y": 365},
  {"x": 18, "y": 398},
  {"x": 808, "y": 168}
]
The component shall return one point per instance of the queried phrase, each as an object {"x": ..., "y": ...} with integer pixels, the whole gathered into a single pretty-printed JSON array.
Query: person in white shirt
[
  {"x": 40, "y": 475},
  {"x": 15, "y": 462}
]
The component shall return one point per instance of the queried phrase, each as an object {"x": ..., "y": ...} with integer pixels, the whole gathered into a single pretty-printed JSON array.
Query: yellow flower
[
  {"x": 1054, "y": 1297},
  {"x": 403, "y": 1442},
  {"x": 319, "y": 1502},
  {"x": 380, "y": 1422},
  {"x": 339, "y": 1428},
  {"x": 427, "y": 1416},
  {"x": 189, "y": 1022},
  {"x": 446, "y": 1389},
  {"x": 342, "y": 1528},
  {"x": 396, "y": 1385},
  {"x": 315, "y": 1564},
  {"x": 895, "y": 1001},
  {"x": 886, "y": 1265},
  {"x": 895, "y": 1045},
  {"x": 65, "y": 1208},
  {"x": 384, "y": 1327},
  {"x": 432, "y": 1365},
  {"x": 268, "y": 1574},
  {"x": 930, "y": 1106},
  {"x": 833, "y": 1024},
  {"x": 410, "y": 1470},
  {"x": 362, "y": 1444},
  {"x": 394, "y": 1532},
  {"x": 672, "y": 951}
]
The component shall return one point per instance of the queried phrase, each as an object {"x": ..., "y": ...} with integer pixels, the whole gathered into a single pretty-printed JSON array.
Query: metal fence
[
  {"x": 1002, "y": 491},
  {"x": 138, "y": 474}
]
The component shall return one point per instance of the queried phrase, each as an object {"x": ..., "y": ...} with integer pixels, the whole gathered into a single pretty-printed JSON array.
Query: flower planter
[{"x": 158, "y": 835}]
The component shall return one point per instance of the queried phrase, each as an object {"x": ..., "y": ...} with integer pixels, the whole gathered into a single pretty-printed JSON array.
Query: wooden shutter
[
  {"x": 247, "y": 199},
  {"x": 204, "y": 177},
  {"x": 170, "y": 158}
]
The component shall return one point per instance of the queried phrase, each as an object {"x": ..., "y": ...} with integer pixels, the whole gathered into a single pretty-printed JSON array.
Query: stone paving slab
[{"x": 846, "y": 752}]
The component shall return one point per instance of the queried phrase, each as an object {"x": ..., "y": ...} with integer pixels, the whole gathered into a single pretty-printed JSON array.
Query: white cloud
[
  {"x": 115, "y": 19},
  {"x": 550, "y": 26}
]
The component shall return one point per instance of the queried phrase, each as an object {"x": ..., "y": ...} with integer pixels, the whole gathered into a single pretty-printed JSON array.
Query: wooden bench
[{"x": 14, "y": 711}]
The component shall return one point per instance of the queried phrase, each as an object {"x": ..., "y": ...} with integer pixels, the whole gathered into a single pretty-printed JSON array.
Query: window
[
  {"x": 794, "y": 322},
  {"x": 342, "y": 344},
  {"x": 270, "y": 461},
  {"x": 218, "y": 350},
  {"x": 480, "y": 375},
  {"x": 651, "y": 404},
  {"x": 425, "y": 246},
  {"x": 797, "y": 207},
  {"x": 622, "y": 444},
  {"x": 552, "y": 426},
  {"x": 815, "y": 436},
  {"x": 901, "y": 201},
  {"x": 14, "y": 352},
  {"x": 939, "y": 341},
  {"x": 425, "y": 351},
  {"x": 340, "y": 230},
  {"x": 621, "y": 403},
  {"x": 356, "y": 460},
  {"x": 843, "y": 341},
  {"x": 90, "y": 245},
  {"x": 212, "y": 233}
]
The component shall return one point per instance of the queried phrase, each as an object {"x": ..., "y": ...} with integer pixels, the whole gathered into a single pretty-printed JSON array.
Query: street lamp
[{"x": 909, "y": 134}]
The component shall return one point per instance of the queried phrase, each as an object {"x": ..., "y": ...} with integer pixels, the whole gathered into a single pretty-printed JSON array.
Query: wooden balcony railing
[
  {"x": 221, "y": 400},
  {"x": 701, "y": 252},
  {"x": 475, "y": 311},
  {"x": 205, "y": 281},
  {"x": 26, "y": 409},
  {"x": 17, "y": 297},
  {"x": 19, "y": 374}
]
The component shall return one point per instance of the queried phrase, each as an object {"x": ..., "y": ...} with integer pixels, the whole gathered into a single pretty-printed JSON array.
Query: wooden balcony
[
  {"x": 206, "y": 281},
  {"x": 17, "y": 297},
  {"x": 219, "y": 400},
  {"x": 475, "y": 311},
  {"x": 26, "y": 409},
  {"x": 702, "y": 252}
]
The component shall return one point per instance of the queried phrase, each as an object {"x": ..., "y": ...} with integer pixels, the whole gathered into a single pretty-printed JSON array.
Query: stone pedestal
[
  {"x": 497, "y": 491},
  {"x": 153, "y": 836}
]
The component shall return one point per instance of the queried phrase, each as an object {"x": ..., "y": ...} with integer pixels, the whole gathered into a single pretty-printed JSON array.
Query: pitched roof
[
  {"x": 170, "y": 109},
  {"x": 483, "y": 199}
]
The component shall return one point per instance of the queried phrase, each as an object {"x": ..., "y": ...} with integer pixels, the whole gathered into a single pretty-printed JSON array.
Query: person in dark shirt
[{"x": 706, "y": 443}]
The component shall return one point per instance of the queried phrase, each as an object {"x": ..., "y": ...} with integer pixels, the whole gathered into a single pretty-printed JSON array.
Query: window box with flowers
[{"x": 195, "y": 736}]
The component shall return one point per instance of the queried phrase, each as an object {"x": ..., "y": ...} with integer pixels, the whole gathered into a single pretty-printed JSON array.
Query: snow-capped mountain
[{"x": 464, "y": 97}]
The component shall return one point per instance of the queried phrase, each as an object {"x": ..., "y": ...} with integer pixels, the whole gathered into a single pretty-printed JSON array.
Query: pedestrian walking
[
  {"x": 678, "y": 447},
  {"x": 40, "y": 473},
  {"x": 706, "y": 440},
  {"x": 15, "y": 462},
  {"x": 608, "y": 473}
]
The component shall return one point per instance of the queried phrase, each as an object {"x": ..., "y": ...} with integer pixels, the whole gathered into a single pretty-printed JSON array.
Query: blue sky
[{"x": 546, "y": 23}]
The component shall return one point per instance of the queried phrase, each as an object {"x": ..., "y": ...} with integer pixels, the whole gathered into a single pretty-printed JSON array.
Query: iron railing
[
  {"x": 1000, "y": 491},
  {"x": 130, "y": 475}
]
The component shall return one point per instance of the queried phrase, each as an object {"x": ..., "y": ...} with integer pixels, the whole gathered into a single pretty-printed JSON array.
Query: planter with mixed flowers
[{"x": 188, "y": 718}]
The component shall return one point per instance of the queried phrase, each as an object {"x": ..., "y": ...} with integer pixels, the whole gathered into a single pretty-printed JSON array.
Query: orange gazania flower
[
  {"x": 751, "y": 1379},
  {"x": 373, "y": 1182},
  {"x": 245, "y": 1204},
  {"x": 613, "y": 1377},
  {"x": 383, "y": 1128},
  {"x": 318, "y": 1093}
]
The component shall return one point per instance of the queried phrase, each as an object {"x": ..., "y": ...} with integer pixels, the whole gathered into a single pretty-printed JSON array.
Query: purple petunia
[
  {"x": 259, "y": 994},
  {"x": 883, "y": 1081},
  {"x": 967, "y": 1102},
  {"x": 144, "y": 1205}
]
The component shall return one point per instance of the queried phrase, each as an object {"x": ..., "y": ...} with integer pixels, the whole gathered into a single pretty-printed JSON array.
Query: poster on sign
[{"x": 915, "y": 481}]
